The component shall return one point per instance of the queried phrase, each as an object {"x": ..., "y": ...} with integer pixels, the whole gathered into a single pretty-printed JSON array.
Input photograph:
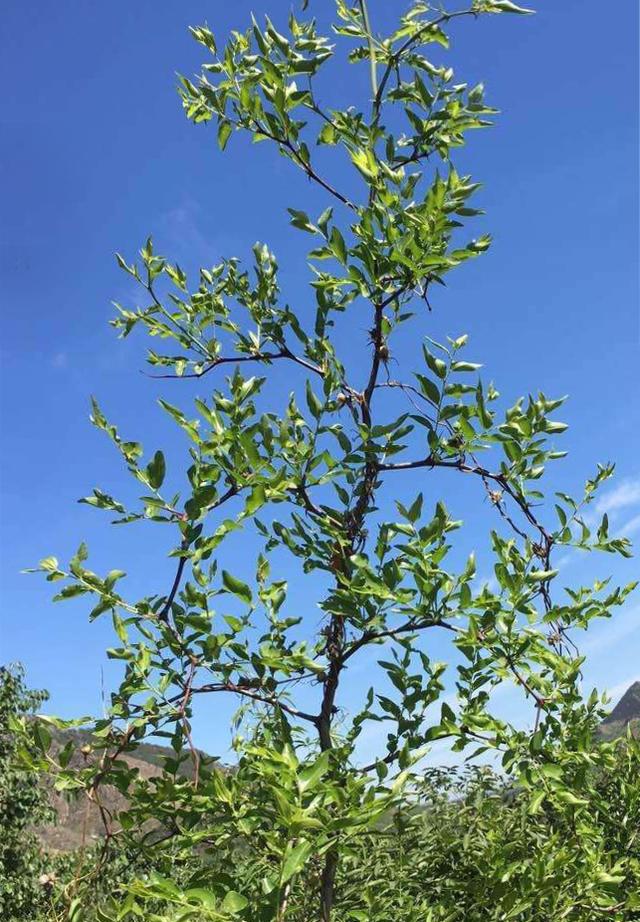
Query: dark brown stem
[
  {"x": 256, "y": 357},
  {"x": 185, "y": 721},
  {"x": 305, "y": 165},
  {"x": 336, "y": 628},
  {"x": 311, "y": 173},
  {"x": 328, "y": 885},
  {"x": 166, "y": 608},
  {"x": 163, "y": 615},
  {"x": 460, "y": 464}
]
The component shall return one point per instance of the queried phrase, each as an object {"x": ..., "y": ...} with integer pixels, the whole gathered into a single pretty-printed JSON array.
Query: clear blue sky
[{"x": 95, "y": 154}]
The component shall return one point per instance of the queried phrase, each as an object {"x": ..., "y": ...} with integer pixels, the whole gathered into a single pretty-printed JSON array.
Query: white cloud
[
  {"x": 564, "y": 560},
  {"x": 618, "y": 690},
  {"x": 622, "y": 496},
  {"x": 612, "y": 631},
  {"x": 631, "y": 527},
  {"x": 60, "y": 360},
  {"x": 181, "y": 232}
]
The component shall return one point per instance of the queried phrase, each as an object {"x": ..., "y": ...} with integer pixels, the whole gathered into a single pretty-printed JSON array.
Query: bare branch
[{"x": 247, "y": 692}]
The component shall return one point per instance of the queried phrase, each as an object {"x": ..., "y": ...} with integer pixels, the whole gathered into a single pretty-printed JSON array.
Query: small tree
[
  {"x": 312, "y": 477},
  {"x": 24, "y": 884}
]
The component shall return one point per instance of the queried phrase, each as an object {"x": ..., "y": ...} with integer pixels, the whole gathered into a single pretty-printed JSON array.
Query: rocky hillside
[
  {"x": 626, "y": 711},
  {"x": 78, "y": 820}
]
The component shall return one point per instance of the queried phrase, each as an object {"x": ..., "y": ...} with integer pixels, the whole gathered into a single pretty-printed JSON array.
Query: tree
[
  {"x": 24, "y": 881},
  {"x": 312, "y": 477}
]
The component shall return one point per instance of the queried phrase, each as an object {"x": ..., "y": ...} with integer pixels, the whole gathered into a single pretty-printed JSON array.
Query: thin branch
[
  {"x": 188, "y": 691},
  {"x": 163, "y": 615},
  {"x": 393, "y": 756},
  {"x": 185, "y": 332},
  {"x": 459, "y": 464},
  {"x": 304, "y": 164},
  {"x": 395, "y": 58},
  {"x": 410, "y": 626},
  {"x": 370, "y": 41},
  {"x": 311, "y": 173},
  {"x": 539, "y": 700},
  {"x": 407, "y": 388},
  {"x": 247, "y": 692},
  {"x": 257, "y": 357},
  {"x": 386, "y": 760}
]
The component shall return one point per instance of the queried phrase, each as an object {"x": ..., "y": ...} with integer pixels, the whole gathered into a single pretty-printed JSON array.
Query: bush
[{"x": 25, "y": 881}]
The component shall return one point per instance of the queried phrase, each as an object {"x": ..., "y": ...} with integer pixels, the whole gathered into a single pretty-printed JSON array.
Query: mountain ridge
[{"x": 625, "y": 713}]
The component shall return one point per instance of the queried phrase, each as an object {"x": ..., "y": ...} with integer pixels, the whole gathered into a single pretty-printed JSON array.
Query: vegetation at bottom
[
  {"x": 339, "y": 484},
  {"x": 464, "y": 844}
]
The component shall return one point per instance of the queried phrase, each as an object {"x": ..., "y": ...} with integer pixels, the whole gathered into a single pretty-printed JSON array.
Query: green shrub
[{"x": 25, "y": 881}]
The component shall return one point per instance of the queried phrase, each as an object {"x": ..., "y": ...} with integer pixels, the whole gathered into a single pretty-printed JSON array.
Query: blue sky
[{"x": 95, "y": 154}]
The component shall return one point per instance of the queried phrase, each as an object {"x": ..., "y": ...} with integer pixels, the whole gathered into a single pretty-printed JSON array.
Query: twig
[
  {"x": 412, "y": 40},
  {"x": 408, "y": 627},
  {"x": 239, "y": 359}
]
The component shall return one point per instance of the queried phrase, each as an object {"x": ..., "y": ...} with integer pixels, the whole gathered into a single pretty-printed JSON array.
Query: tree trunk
[{"x": 327, "y": 886}]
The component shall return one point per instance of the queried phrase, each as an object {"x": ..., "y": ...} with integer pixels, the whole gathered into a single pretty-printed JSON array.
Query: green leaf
[
  {"x": 437, "y": 366},
  {"x": 49, "y": 563},
  {"x": 234, "y": 902},
  {"x": 75, "y": 913},
  {"x": 447, "y": 714},
  {"x": 224, "y": 133},
  {"x": 313, "y": 402},
  {"x": 551, "y": 770},
  {"x": 327, "y": 135},
  {"x": 156, "y": 470},
  {"x": 311, "y": 774},
  {"x": 120, "y": 628},
  {"x": 103, "y": 501},
  {"x": 429, "y": 389},
  {"x": 541, "y": 576},
  {"x": 256, "y": 499},
  {"x": 295, "y": 858},
  {"x": 70, "y": 592},
  {"x": 415, "y": 510},
  {"x": 506, "y": 6},
  {"x": 300, "y": 219},
  {"x": 536, "y": 801},
  {"x": 339, "y": 247},
  {"x": 570, "y": 798},
  {"x": 42, "y": 735},
  {"x": 365, "y": 162},
  {"x": 237, "y": 587},
  {"x": 323, "y": 220},
  {"x": 64, "y": 757},
  {"x": 465, "y": 366},
  {"x": 555, "y": 428}
]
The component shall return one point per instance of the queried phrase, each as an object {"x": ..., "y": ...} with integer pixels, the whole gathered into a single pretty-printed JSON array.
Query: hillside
[
  {"x": 78, "y": 820},
  {"x": 626, "y": 711}
]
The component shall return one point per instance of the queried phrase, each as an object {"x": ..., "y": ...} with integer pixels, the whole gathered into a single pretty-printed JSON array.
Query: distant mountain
[
  {"x": 78, "y": 821},
  {"x": 626, "y": 711}
]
